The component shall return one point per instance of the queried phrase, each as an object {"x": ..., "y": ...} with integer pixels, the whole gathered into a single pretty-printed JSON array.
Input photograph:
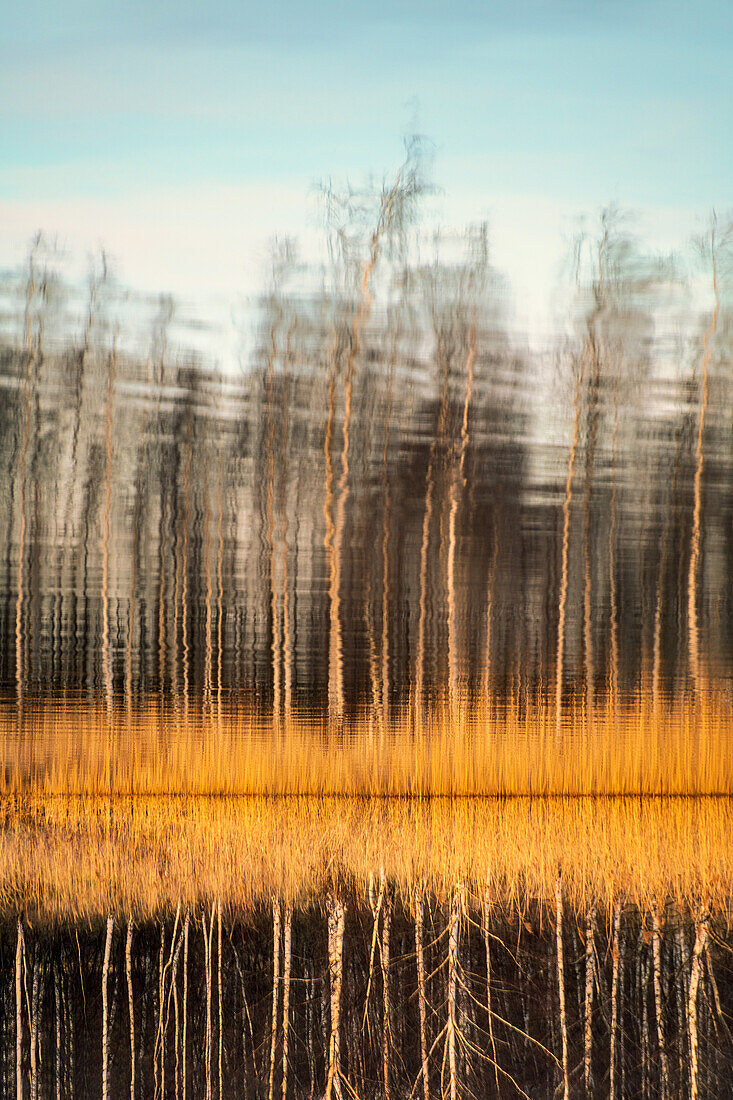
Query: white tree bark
[
  {"x": 421, "y": 991},
  {"x": 276, "y": 922},
  {"x": 19, "y": 960},
  {"x": 657, "y": 965},
  {"x": 287, "y": 958},
  {"x": 130, "y": 1006},
  {"x": 386, "y": 993},
  {"x": 336, "y": 921},
  {"x": 701, "y": 937},
  {"x": 452, "y": 1032},
  {"x": 105, "y": 1008},
  {"x": 590, "y": 957},
  {"x": 617, "y": 954},
  {"x": 561, "y": 988}
]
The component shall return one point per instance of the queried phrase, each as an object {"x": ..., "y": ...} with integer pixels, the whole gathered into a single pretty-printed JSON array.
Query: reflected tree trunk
[{"x": 692, "y": 610}]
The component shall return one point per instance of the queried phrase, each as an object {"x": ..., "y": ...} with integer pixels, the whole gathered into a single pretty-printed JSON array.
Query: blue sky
[{"x": 118, "y": 118}]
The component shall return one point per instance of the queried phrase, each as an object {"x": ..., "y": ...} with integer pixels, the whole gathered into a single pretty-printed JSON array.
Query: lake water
[{"x": 366, "y": 714}]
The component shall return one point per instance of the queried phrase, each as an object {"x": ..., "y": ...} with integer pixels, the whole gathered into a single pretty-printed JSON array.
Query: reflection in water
[
  {"x": 270, "y": 639},
  {"x": 372, "y": 996},
  {"x": 394, "y": 505}
]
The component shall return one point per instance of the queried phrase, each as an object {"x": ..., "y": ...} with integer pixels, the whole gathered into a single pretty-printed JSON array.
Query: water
[
  {"x": 406, "y": 625},
  {"x": 221, "y": 973}
]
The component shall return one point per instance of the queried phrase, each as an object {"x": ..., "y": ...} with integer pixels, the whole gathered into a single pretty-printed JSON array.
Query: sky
[{"x": 183, "y": 136}]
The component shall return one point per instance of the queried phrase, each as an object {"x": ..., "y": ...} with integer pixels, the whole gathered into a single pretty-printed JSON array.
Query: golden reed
[
  {"x": 108, "y": 811},
  {"x": 81, "y": 857},
  {"x": 679, "y": 748}
]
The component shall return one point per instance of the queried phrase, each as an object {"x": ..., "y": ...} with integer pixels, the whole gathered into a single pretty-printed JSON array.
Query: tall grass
[
  {"x": 82, "y": 857},
  {"x": 680, "y": 748}
]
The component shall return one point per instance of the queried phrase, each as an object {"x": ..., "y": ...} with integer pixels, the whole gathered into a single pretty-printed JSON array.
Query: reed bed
[
  {"x": 488, "y": 749},
  {"x": 81, "y": 857}
]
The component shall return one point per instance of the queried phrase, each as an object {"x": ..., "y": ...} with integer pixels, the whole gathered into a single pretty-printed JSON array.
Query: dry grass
[
  {"x": 133, "y": 813},
  {"x": 681, "y": 748},
  {"x": 80, "y": 857}
]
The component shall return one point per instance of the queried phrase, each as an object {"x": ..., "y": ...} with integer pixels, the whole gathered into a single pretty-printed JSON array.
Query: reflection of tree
[
  {"x": 69, "y": 1042},
  {"x": 189, "y": 542}
]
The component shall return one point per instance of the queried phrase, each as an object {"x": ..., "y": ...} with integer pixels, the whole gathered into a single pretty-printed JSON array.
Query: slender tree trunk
[
  {"x": 207, "y": 963},
  {"x": 219, "y": 990},
  {"x": 489, "y": 1010},
  {"x": 562, "y": 602},
  {"x": 336, "y": 921},
  {"x": 452, "y": 1032},
  {"x": 701, "y": 937},
  {"x": 35, "y": 1036},
  {"x": 130, "y": 1006},
  {"x": 561, "y": 987},
  {"x": 184, "y": 1043},
  {"x": 618, "y": 964},
  {"x": 57, "y": 1009},
  {"x": 105, "y": 1008},
  {"x": 644, "y": 991},
  {"x": 287, "y": 960},
  {"x": 310, "y": 1021},
  {"x": 108, "y": 447},
  {"x": 159, "y": 1051},
  {"x": 276, "y": 922},
  {"x": 590, "y": 956},
  {"x": 457, "y": 485},
  {"x": 421, "y": 991},
  {"x": 19, "y": 959},
  {"x": 697, "y": 525},
  {"x": 386, "y": 993},
  {"x": 658, "y": 1006}
]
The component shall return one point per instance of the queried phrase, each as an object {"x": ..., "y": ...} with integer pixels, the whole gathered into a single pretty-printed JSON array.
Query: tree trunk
[
  {"x": 35, "y": 1030},
  {"x": 386, "y": 998},
  {"x": 452, "y": 1032},
  {"x": 207, "y": 963},
  {"x": 421, "y": 992},
  {"x": 561, "y": 988},
  {"x": 618, "y": 964},
  {"x": 590, "y": 956},
  {"x": 567, "y": 504},
  {"x": 336, "y": 920},
  {"x": 287, "y": 958},
  {"x": 489, "y": 1011},
  {"x": 184, "y": 1043},
  {"x": 105, "y": 1008},
  {"x": 275, "y": 991},
  {"x": 130, "y": 1006},
  {"x": 658, "y": 1007},
  {"x": 19, "y": 961},
  {"x": 219, "y": 990},
  {"x": 57, "y": 1009},
  {"x": 701, "y": 936}
]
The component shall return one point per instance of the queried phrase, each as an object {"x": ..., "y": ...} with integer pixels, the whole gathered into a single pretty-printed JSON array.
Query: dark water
[{"x": 489, "y": 993}]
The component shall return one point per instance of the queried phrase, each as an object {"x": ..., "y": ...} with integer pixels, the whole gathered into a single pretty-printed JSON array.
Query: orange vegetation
[
  {"x": 82, "y": 857},
  {"x": 680, "y": 748}
]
